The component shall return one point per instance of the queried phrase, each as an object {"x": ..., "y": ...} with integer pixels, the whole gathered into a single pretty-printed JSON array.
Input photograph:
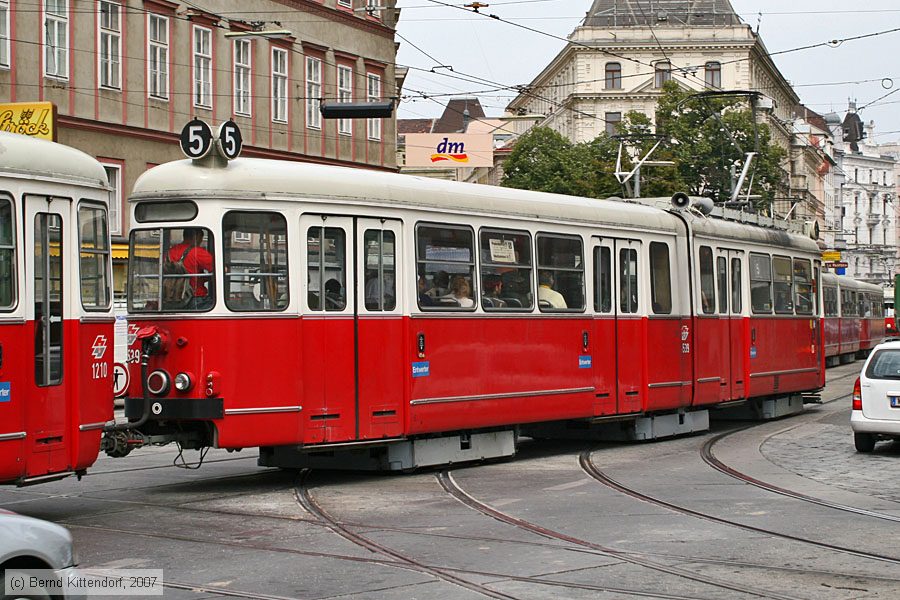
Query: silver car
[
  {"x": 876, "y": 398},
  {"x": 27, "y": 543}
]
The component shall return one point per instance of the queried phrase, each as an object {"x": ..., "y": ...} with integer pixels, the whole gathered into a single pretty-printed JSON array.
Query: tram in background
[
  {"x": 890, "y": 321},
  {"x": 853, "y": 316},
  {"x": 373, "y": 320},
  {"x": 56, "y": 322}
]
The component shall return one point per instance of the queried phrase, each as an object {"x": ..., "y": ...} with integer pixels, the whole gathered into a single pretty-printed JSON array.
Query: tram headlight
[
  {"x": 183, "y": 382},
  {"x": 159, "y": 382}
]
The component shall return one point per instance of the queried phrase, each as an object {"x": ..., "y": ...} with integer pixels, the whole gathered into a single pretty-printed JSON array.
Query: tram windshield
[{"x": 171, "y": 270}]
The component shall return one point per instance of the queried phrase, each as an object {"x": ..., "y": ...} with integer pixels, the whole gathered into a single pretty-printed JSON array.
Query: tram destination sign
[
  {"x": 836, "y": 265},
  {"x": 34, "y": 119}
]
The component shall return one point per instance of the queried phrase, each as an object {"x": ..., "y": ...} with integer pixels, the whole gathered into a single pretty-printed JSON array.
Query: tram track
[
  {"x": 595, "y": 473},
  {"x": 451, "y": 487}
]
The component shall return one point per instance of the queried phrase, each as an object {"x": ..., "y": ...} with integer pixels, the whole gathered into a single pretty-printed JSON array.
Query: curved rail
[{"x": 449, "y": 484}]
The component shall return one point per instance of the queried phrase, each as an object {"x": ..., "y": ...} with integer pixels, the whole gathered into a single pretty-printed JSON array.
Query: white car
[
  {"x": 27, "y": 543},
  {"x": 876, "y": 398}
]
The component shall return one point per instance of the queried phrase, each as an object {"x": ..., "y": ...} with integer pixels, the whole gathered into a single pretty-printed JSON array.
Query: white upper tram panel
[
  {"x": 28, "y": 157},
  {"x": 280, "y": 180}
]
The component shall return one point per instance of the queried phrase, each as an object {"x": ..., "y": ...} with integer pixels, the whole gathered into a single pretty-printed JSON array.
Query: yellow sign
[
  {"x": 831, "y": 255},
  {"x": 35, "y": 119}
]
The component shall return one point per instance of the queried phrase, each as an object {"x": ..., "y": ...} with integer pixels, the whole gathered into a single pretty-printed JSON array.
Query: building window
[
  {"x": 313, "y": 92},
  {"x": 110, "y": 35},
  {"x": 158, "y": 53},
  {"x": 56, "y": 41},
  {"x": 345, "y": 94},
  {"x": 713, "y": 75},
  {"x": 663, "y": 74},
  {"x": 242, "y": 54},
  {"x": 373, "y": 94},
  {"x": 279, "y": 84},
  {"x": 613, "y": 76},
  {"x": 4, "y": 34},
  {"x": 114, "y": 174},
  {"x": 613, "y": 121},
  {"x": 202, "y": 67},
  {"x": 347, "y": 3}
]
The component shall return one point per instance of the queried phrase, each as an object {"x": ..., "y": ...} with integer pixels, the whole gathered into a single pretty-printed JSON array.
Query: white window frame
[
  {"x": 56, "y": 24},
  {"x": 241, "y": 236},
  {"x": 313, "y": 92},
  {"x": 243, "y": 77},
  {"x": 109, "y": 36},
  {"x": 345, "y": 3},
  {"x": 4, "y": 35},
  {"x": 202, "y": 68},
  {"x": 373, "y": 94},
  {"x": 280, "y": 85},
  {"x": 345, "y": 94},
  {"x": 115, "y": 197},
  {"x": 158, "y": 57}
]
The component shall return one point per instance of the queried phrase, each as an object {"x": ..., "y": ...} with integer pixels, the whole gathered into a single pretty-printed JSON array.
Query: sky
[{"x": 453, "y": 52}]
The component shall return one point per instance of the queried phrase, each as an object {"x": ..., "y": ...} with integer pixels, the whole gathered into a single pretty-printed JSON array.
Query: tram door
[
  {"x": 46, "y": 306},
  {"x": 737, "y": 335},
  {"x": 619, "y": 328},
  {"x": 352, "y": 329}
]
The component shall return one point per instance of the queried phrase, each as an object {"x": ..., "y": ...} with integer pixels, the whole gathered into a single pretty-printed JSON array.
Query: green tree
[
  {"x": 705, "y": 137},
  {"x": 543, "y": 160}
]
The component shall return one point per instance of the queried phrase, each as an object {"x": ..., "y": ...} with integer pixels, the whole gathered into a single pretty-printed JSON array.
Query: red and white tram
[
  {"x": 854, "y": 318},
  {"x": 56, "y": 322},
  {"x": 395, "y": 321}
]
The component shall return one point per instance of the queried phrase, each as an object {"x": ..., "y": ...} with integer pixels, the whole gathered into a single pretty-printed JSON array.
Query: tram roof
[
  {"x": 24, "y": 155},
  {"x": 283, "y": 180},
  {"x": 742, "y": 233},
  {"x": 845, "y": 281}
]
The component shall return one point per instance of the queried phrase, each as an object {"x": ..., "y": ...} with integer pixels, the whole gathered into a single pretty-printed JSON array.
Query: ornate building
[{"x": 619, "y": 58}]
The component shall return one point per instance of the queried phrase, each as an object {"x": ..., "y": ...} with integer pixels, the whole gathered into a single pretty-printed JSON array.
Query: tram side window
[
  {"x": 94, "y": 246},
  {"x": 736, "y": 304},
  {"x": 171, "y": 269},
  {"x": 506, "y": 271},
  {"x": 865, "y": 309},
  {"x": 7, "y": 255},
  {"x": 660, "y": 279},
  {"x": 380, "y": 276},
  {"x": 722, "y": 275},
  {"x": 628, "y": 281},
  {"x": 847, "y": 308},
  {"x": 445, "y": 266},
  {"x": 560, "y": 263},
  {"x": 829, "y": 299},
  {"x": 783, "y": 284},
  {"x": 707, "y": 281},
  {"x": 256, "y": 261},
  {"x": 326, "y": 268},
  {"x": 760, "y": 283},
  {"x": 602, "y": 280},
  {"x": 803, "y": 287}
]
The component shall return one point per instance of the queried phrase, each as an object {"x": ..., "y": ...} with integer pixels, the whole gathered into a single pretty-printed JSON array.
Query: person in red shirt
[{"x": 196, "y": 259}]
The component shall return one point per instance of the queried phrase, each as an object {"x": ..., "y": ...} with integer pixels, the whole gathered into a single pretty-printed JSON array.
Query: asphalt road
[{"x": 670, "y": 519}]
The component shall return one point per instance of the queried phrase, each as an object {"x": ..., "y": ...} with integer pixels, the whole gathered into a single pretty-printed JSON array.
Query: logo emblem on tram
[{"x": 99, "y": 347}]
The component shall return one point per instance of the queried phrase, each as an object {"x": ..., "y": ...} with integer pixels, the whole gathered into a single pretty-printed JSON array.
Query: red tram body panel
[
  {"x": 346, "y": 308},
  {"x": 56, "y": 322}
]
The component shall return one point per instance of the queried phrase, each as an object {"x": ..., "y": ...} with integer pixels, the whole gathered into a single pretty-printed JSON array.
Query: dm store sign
[{"x": 449, "y": 150}]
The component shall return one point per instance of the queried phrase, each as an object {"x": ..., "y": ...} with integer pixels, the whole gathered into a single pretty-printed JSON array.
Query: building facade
[
  {"x": 868, "y": 218},
  {"x": 125, "y": 76},
  {"x": 625, "y": 50}
]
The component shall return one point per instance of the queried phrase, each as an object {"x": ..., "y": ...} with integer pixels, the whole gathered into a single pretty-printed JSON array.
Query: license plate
[{"x": 895, "y": 401}]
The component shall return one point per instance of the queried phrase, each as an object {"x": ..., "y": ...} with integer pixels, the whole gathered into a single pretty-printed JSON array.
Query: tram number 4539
[{"x": 99, "y": 370}]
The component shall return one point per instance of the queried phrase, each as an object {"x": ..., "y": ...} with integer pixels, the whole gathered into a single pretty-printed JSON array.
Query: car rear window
[{"x": 884, "y": 365}]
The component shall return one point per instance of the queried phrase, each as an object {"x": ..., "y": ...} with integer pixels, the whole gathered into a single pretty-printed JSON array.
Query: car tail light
[{"x": 857, "y": 395}]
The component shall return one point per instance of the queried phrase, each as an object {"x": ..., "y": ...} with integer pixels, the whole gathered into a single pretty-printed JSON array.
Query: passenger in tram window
[
  {"x": 441, "y": 285},
  {"x": 493, "y": 288},
  {"x": 516, "y": 289},
  {"x": 334, "y": 293},
  {"x": 546, "y": 293},
  {"x": 424, "y": 298},
  {"x": 373, "y": 290},
  {"x": 461, "y": 292},
  {"x": 196, "y": 260}
]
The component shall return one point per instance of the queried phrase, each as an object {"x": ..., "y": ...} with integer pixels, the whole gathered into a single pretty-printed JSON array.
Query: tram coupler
[{"x": 119, "y": 444}]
